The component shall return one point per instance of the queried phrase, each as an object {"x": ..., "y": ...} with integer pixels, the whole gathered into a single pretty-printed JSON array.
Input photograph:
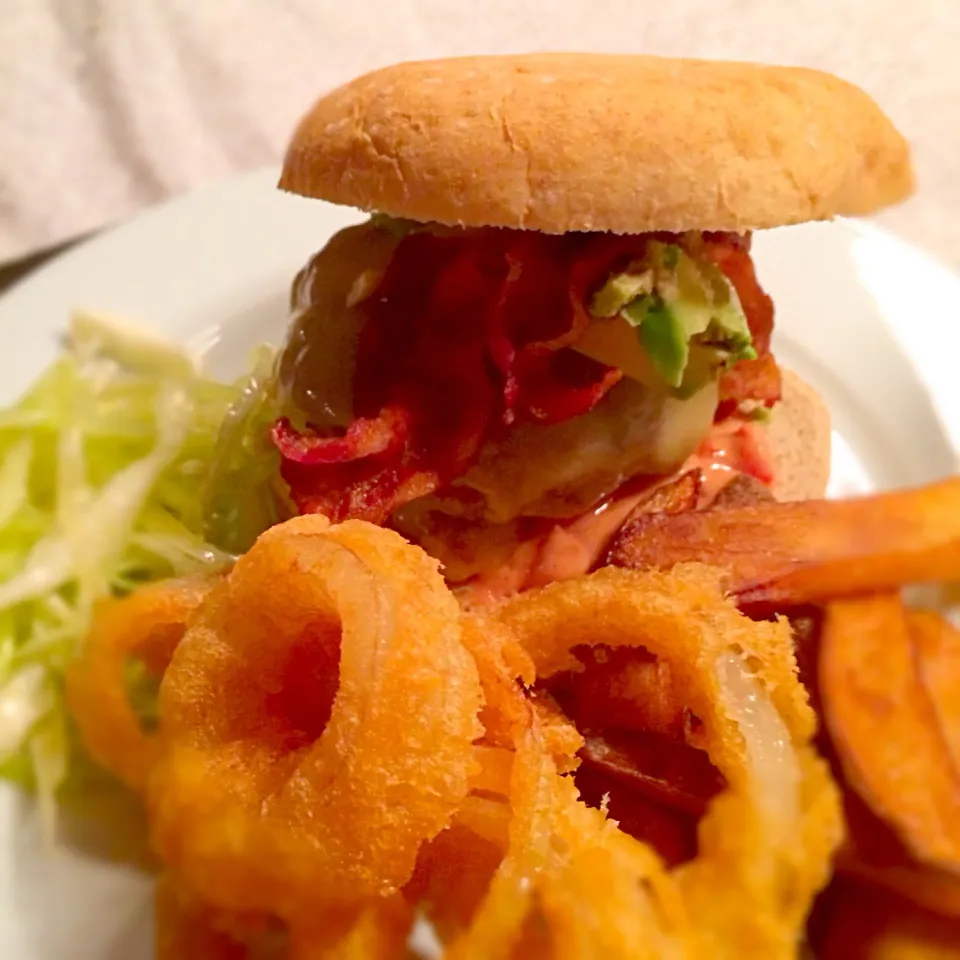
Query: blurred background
[{"x": 109, "y": 106}]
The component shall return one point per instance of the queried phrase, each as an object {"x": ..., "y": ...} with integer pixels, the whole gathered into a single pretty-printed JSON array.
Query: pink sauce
[{"x": 572, "y": 549}]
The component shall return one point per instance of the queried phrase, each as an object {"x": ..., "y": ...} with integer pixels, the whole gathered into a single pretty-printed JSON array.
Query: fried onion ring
[
  {"x": 257, "y": 802},
  {"x": 146, "y": 625},
  {"x": 505, "y": 670},
  {"x": 335, "y": 807},
  {"x": 556, "y": 846},
  {"x": 765, "y": 842}
]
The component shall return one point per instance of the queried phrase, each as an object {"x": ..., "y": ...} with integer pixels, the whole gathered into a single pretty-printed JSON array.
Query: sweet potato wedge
[
  {"x": 874, "y": 854},
  {"x": 786, "y": 554},
  {"x": 930, "y": 888},
  {"x": 884, "y": 729},
  {"x": 655, "y": 788},
  {"x": 666, "y": 772},
  {"x": 677, "y": 495},
  {"x": 864, "y": 924},
  {"x": 937, "y": 645},
  {"x": 742, "y": 491}
]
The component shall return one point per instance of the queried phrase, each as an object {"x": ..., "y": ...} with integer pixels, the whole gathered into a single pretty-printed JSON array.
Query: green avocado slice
[{"x": 687, "y": 315}]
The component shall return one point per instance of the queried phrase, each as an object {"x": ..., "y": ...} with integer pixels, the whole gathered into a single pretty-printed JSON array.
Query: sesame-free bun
[
  {"x": 799, "y": 437},
  {"x": 627, "y": 144}
]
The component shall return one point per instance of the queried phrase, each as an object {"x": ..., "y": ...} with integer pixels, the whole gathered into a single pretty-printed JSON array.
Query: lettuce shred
[{"x": 121, "y": 465}]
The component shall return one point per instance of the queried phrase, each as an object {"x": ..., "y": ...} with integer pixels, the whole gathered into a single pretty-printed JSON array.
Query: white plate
[{"x": 867, "y": 319}]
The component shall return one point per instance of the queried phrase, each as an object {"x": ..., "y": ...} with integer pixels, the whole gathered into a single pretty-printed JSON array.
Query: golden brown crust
[
  {"x": 799, "y": 435},
  {"x": 626, "y": 144}
]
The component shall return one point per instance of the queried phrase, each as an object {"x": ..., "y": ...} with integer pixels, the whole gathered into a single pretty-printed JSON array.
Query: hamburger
[{"x": 552, "y": 306}]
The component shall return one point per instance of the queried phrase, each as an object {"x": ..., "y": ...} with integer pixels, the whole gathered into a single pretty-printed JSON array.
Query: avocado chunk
[
  {"x": 618, "y": 291},
  {"x": 662, "y": 335},
  {"x": 686, "y": 314}
]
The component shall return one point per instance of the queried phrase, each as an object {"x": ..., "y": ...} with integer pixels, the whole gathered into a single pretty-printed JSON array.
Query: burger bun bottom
[{"x": 799, "y": 435}]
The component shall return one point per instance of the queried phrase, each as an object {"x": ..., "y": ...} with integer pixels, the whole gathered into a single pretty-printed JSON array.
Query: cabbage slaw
[{"x": 122, "y": 464}]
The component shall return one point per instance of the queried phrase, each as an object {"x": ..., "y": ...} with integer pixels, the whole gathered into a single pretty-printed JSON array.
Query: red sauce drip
[{"x": 571, "y": 549}]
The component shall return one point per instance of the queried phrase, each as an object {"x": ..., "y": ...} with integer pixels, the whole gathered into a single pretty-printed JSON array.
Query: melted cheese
[{"x": 562, "y": 469}]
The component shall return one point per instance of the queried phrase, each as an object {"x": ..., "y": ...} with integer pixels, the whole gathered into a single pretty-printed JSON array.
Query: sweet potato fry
[
  {"x": 666, "y": 772},
  {"x": 787, "y": 554},
  {"x": 935, "y": 890},
  {"x": 873, "y": 853},
  {"x": 937, "y": 645},
  {"x": 742, "y": 491},
  {"x": 628, "y": 689},
  {"x": 678, "y": 495},
  {"x": 671, "y": 832},
  {"x": 866, "y": 925},
  {"x": 884, "y": 729}
]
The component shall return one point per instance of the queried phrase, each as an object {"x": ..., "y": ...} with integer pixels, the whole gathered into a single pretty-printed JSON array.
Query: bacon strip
[
  {"x": 758, "y": 379},
  {"x": 464, "y": 336},
  {"x": 467, "y": 334},
  {"x": 731, "y": 253}
]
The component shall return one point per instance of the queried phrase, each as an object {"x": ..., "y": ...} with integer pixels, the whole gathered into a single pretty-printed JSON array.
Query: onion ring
[
  {"x": 335, "y": 809},
  {"x": 257, "y": 804},
  {"x": 146, "y": 625},
  {"x": 766, "y": 841},
  {"x": 503, "y": 665},
  {"x": 497, "y": 925},
  {"x": 554, "y": 842},
  {"x": 505, "y": 669}
]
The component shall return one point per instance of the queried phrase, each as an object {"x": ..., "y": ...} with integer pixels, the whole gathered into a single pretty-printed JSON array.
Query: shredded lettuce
[
  {"x": 121, "y": 465},
  {"x": 239, "y": 499}
]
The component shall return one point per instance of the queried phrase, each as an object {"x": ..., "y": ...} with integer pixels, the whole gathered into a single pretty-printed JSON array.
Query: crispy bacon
[
  {"x": 364, "y": 438},
  {"x": 362, "y": 480},
  {"x": 467, "y": 334},
  {"x": 464, "y": 336},
  {"x": 731, "y": 253},
  {"x": 758, "y": 379}
]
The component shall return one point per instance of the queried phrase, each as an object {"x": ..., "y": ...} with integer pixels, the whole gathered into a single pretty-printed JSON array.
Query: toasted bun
[
  {"x": 799, "y": 434},
  {"x": 627, "y": 144}
]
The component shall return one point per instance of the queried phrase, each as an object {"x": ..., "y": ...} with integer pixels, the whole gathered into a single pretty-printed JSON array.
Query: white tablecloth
[{"x": 107, "y": 106}]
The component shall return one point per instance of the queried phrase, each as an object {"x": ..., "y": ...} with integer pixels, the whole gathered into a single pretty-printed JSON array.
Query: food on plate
[
  {"x": 224, "y": 801},
  {"x": 873, "y": 854},
  {"x": 738, "y": 678},
  {"x": 345, "y": 742},
  {"x": 787, "y": 554},
  {"x": 130, "y": 639},
  {"x": 554, "y": 303},
  {"x": 519, "y": 679},
  {"x": 112, "y": 475},
  {"x": 936, "y": 646},
  {"x": 314, "y": 803},
  {"x": 884, "y": 727},
  {"x": 864, "y": 925}
]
